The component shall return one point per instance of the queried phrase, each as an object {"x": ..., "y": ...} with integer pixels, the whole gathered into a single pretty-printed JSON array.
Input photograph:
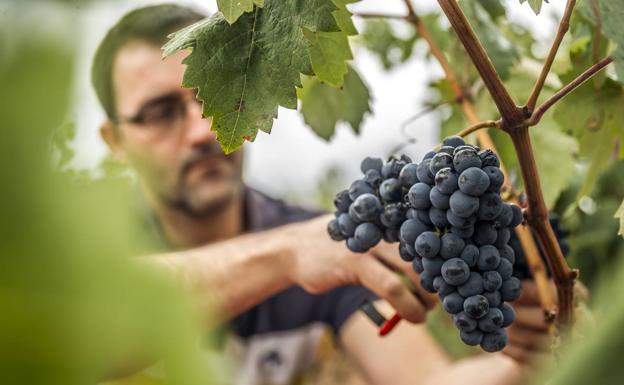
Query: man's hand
[
  {"x": 320, "y": 264},
  {"x": 530, "y": 340}
]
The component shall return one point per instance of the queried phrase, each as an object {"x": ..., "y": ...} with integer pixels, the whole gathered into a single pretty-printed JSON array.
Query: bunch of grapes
[{"x": 452, "y": 225}]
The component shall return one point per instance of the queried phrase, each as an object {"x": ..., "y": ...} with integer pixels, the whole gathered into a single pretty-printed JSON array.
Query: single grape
[
  {"x": 391, "y": 235},
  {"x": 360, "y": 187},
  {"x": 442, "y": 287},
  {"x": 458, "y": 221},
  {"x": 464, "y": 322},
  {"x": 472, "y": 338},
  {"x": 485, "y": 234},
  {"x": 509, "y": 314},
  {"x": 439, "y": 199},
  {"x": 466, "y": 159},
  {"x": 473, "y": 286},
  {"x": 455, "y": 271},
  {"x": 392, "y": 168},
  {"x": 505, "y": 269},
  {"x": 490, "y": 206},
  {"x": 409, "y": 175},
  {"x": 366, "y": 207},
  {"x": 427, "y": 244},
  {"x": 391, "y": 190},
  {"x": 371, "y": 164},
  {"x": 488, "y": 158},
  {"x": 367, "y": 235},
  {"x": 502, "y": 238},
  {"x": 342, "y": 201},
  {"x": 439, "y": 161},
  {"x": 433, "y": 266},
  {"x": 473, "y": 181},
  {"x": 451, "y": 246},
  {"x": 496, "y": 178},
  {"x": 453, "y": 303},
  {"x": 489, "y": 258},
  {"x": 506, "y": 216},
  {"x": 346, "y": 225},
  {"x": 373, "y": 178},
  {"x": 493, "y": 297},
  {"x": 494, "y": 342},
  {"x": 423, "y": 216},
  {"x": 418, "y": 196},
  {"x": 517, "y": 217},
  {"x": 464, "y": 147},
  {"x": 355, "y": 246},
  {"x": 446, "y": 181},
  {"x": 334, "y": 230},
  {"x": 463, "y": 232},
  {"x": 492, "y": 281},
  {"x": 470, "y": 255},
  {"x": 492, "y": 321},
  {"x": 417, "y": 265},
  {"x": 476, "y": 306},
  {"x": 423, "y": 172},
  {"x": 438, "y": 217},
  {"x": 405, "y": 254},
  {"x": 453, "y": 141},
  {"x": 426, "y": 281},
  {"x": 508, "y": 253},
  {"x": 393, "y": 215},
  {"x": 411, "y": 229},
  {"x": 511, "y": 289},
  {"x": 447, "y": 150},
  {"x": 411, "y": 214},
  {"x": 429, "y": 155},
  {"x": 463, "y": 205}
]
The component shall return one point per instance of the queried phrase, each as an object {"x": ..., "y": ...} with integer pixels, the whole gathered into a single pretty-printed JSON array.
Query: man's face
[{"x": 171, "y": 147}]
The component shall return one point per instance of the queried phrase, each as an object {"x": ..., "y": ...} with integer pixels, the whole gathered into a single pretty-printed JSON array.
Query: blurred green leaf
[
  {"x": 380, "y": 38},
  {"x": 536, "y": 5}
]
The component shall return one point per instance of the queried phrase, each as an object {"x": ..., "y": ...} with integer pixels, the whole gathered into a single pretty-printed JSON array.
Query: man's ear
[{"x": 111, "y": 136}]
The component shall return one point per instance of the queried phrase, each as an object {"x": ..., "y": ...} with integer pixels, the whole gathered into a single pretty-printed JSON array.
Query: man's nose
[{"x": 198, "y": 128}]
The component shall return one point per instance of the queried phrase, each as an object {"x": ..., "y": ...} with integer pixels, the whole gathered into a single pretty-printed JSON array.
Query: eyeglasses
[{"x": 163, "y": 113}]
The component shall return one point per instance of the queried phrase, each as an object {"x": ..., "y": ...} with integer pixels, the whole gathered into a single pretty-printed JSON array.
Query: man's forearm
[{"x": 232, "y": 276}]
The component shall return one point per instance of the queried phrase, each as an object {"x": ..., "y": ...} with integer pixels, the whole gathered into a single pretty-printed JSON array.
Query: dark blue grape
[
  {"x": 492, "y": 281},
  {"x": 470, "y": 255},
  {"x": 485, "y": 234},
  {"x": 466, "y": 159},
  {"x": 366, "y": 207},
  {"x": 442, "y": 287},
  {"x": 511, "y": 289},
  {"x": 453, "y": 141},
  {"x": 360, "y": 187},
  {"x": 464, "y": 147},
  {"x": 473, "y": 286},
  {"x": 489, "y": 258},
  {"x": 405, "y": 254},
  {"x": 423, "y": 172},
  {"x": 367, "y": 235},
  {"x": 492, "y": 321},
  {"x": 411, "y": 229},
  {"x": 447, "y": 150},
  {"x": 392, "y": 168},
  {"x": 496, "y": 178},
  {"x": 426, "y": 281},
  {"x": 517, "y": 217},
  {"x": 463, "y": 205},
  {"x": 355, "y": 246},
  {"x": 509, "y": 314},
  {"x": 463, "y": 232},
  {"x": 433, "y": 266},
  {"x": 493, "y": 297},
  {"x": 418, "y": 196},
  {"x": 464, "y": 323},
  {"x": 453, "y": 303},
  {"x": 342, "y": 201},
  {"x": 391, "y": 235},
  {"x": 507, "y": 253},
  {"x": 391, "y": 190},
  {"x": 334, "y": 230},
  {"x": 423, "y": 216},
  {"x": 451, "y": 246},
  {"x": 393, "y": 215},
  {"x": 446, "y": 181},
  {"x": 490, "y": 206},
  {"x": 472, "y": 338},
  {"x": 458, "y": 221},
  {"x": 438, "y": 217},
  {"x": 417, "y": 265},
  {"x": 505, "y": 269},
  {"x": 346, "y": 225},
  {"x": 373, "y": 178},
  {"x": 502, "y": 238},
  {"x": 494, "y": 342},
  {"x": 371, "y": 164},
  {"x": 488, "y": 158},
  {"x": 409, "y": 175},
  {"x": 506, "y": 216},
  {"x": 438, "y": 199},
  {"x": 455, "y": 271},
  {"x": 476, "y": 306},
  {"x": 439, "y": 161},
  {"x": 427, "y": 244},
  {"x": 473, "y": 181},
  {"x": 411, "y": 214},
  {"x": 429, "y": 155}
]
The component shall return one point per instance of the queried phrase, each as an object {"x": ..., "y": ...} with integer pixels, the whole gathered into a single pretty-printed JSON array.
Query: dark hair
[{"x": 150, "y": 24}]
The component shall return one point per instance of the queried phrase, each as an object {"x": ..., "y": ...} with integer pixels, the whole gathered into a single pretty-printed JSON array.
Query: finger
[
  {"x": 394, "y": 262},
  {"x": 531, "y": 317},
  {"x": 530, "y": 339},
  {"x": 530, "y": 293},
  {"x": 387, "y": 284}
]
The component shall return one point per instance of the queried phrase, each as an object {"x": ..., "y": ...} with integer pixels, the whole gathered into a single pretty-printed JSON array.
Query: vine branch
[
  {"x": 475, "y": 127},
  {"x": 564, "y": 25},
  {"x": 582, "y": 78}
]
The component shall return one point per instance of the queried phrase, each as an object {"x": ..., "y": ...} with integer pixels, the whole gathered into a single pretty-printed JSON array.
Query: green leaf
[
  {"x": 620, "y": 215},
  {"x": 244, "y": 71},
  {"x": 323, "y": 107},
  {"x": 343, "y": 17},
  {"x": 329, "y": 52},
  {"x": 379, "y": 37},
  {"x": 233, "y": 9},
  {"x": 536, "y": 5}
]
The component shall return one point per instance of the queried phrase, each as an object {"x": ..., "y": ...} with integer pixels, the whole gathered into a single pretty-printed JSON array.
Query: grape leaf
[
  {"x": 329, "y": 52},
  {"x": 323, "y": 107},
  {"x": 620, "y": 215},
  {"x": 233, "y": 9},
  {"x": 343, "y": 17},
  {"x": 379, "y": 37},
  {"x": 244, "y": 71},
  {"x": 536, "y": 5}
]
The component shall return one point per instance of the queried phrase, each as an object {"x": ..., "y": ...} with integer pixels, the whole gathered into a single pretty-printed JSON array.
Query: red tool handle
[{"x": 385, "y": 325}]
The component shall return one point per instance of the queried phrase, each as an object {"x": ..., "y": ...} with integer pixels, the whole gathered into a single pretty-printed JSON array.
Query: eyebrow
[{"x": 157, "y": 100}]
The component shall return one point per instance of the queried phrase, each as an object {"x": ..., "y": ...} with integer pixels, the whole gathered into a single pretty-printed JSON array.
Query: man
[{"x": 269, "y": 269}]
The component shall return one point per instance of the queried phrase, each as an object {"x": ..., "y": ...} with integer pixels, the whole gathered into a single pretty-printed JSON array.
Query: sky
[{"x": 290, "y": 162}]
